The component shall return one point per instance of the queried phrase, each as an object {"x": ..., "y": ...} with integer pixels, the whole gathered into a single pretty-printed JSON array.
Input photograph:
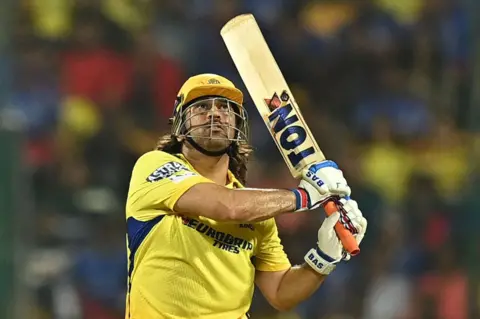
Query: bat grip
[{"x": 346, "y": 237}]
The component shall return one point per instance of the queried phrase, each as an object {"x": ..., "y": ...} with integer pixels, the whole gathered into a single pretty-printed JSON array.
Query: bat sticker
[{"x": 273, "y": 103}]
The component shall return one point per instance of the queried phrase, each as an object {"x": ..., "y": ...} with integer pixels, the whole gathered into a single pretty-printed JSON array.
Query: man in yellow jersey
[{"x": 198, "y": 241}]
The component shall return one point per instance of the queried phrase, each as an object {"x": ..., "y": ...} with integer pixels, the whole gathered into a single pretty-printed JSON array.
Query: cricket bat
[{"x": 274, "y": 100}]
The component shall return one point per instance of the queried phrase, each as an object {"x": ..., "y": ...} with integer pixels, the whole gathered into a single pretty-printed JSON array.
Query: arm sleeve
[
  {"x": 158, "y": 180},
  {"x": 271, "y": 256}
]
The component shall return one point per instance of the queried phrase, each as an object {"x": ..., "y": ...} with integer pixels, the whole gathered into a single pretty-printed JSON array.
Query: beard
[{"x": 212, "y": 139}]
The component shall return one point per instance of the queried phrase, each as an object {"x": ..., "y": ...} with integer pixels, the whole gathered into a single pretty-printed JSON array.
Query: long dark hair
[{"x": 239, "y": 154}]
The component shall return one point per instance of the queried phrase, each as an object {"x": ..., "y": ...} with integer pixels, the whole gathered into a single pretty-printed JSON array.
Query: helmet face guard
[{"x": 226, "y": 120}]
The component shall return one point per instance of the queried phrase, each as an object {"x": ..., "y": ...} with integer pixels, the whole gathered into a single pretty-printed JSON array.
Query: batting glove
[
  {"x": 319, "y": 183},
  {"x": 329, "y": 251}
]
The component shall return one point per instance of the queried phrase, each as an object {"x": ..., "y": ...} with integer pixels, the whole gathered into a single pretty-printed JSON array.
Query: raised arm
[
  {"x": 164, "y": 183},
  {"x": 243, "y": 205},
  {"x": 249, "y": 205}
]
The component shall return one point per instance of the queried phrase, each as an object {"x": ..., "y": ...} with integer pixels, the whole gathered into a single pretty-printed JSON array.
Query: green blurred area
[
  {"x": 11, "y": 146},
  {"x": 10, "y": 158}
]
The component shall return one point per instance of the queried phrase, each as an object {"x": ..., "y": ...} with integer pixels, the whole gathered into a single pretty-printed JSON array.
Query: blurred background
[{"x": 390, "y": 89}]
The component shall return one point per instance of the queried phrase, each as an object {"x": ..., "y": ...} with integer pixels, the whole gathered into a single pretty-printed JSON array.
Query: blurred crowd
[{"x": 385, "y": 85}]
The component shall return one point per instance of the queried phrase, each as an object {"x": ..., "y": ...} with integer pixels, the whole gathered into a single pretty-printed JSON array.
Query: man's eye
[{"x": 203, "y": 106}]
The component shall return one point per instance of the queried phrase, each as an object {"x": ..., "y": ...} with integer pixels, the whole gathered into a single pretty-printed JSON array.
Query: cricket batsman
[{"x": 198, "y": 240}]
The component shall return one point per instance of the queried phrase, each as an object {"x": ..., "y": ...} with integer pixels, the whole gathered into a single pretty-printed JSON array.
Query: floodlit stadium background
[{"x": 390, "y": 89}]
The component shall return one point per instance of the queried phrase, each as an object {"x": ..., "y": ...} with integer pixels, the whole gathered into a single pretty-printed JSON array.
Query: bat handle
[{"x": 346, "y": 237}]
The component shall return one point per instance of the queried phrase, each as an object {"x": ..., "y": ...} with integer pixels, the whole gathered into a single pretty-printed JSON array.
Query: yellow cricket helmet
[
  {"x": 212, "y": 87},
  {"x": 207, "y": 84}
]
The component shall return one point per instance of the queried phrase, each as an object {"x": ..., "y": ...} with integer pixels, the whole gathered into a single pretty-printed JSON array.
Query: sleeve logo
[{"x": 172, "y": 170}]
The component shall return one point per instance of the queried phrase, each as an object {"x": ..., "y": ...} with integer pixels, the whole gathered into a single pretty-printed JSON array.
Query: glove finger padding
[
  {"x": 328, "y": 252},
  {"x": 329, "y": 222},
  {"x": 352, "y": 218},
  {"x": 361, "y": 234},
  {"x": 328, "y": 241},
  {"x": 341, "y": 189}
]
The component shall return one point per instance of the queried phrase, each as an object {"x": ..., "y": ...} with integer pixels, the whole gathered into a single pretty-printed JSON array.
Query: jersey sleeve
[
  {"x": 158, "y": 180},
  {"x": 270, "y": 255}
]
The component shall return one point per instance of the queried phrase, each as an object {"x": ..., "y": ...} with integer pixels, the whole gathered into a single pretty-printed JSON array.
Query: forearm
[
  {"x": 297, "y": 285},
  {"x": 235, "y": 205},
  {"x": 253, "y": 205}
]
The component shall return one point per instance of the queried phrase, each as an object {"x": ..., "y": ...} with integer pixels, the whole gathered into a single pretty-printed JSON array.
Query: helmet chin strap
[{"x": 206, "y": 152}]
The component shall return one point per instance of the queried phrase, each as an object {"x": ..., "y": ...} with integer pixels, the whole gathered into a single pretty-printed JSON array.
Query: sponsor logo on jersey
[
  {"x": 249, "y": 226},
  {"x": 221, "y": 240},
  {"x": 172, "y": 170}
]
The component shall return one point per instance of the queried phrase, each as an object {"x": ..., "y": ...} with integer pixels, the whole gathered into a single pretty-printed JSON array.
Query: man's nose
[{"x": 214, "y": 112}]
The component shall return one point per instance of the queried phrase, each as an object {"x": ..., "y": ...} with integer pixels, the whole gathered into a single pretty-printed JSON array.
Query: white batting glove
[
  {"x": 329, "y": 250},
  {"x": 319, "y": 183},
  {"x": 352, "y": 219}
]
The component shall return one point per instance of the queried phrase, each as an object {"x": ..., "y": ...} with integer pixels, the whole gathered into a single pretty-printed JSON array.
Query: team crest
[{"x": 213, "y": 81}]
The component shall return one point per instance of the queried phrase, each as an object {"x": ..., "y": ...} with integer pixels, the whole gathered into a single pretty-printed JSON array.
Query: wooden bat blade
[{"x": 270, "y": 93}]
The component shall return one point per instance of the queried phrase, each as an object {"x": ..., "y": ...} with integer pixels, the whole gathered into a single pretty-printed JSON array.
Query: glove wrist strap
[
  {"x": 302, "y": 200},
  {"x": 320, "y": 262}
]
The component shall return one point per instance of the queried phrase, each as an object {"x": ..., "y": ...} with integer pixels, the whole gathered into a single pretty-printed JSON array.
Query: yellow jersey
[{"x": 190, "y": 267}]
